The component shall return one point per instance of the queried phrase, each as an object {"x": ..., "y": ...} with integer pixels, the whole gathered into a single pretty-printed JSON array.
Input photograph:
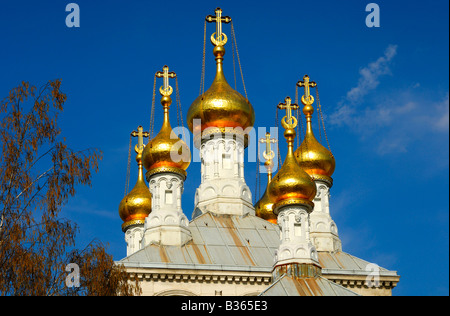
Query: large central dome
[{"x": 220, "y": 106}]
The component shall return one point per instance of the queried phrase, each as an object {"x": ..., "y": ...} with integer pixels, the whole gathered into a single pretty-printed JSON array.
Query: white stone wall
[
  {"x": 295, "y": 243},
  {"x": 166, "y": 224},
  {"x": 133, "y": 237},
  {"x": 180, "y": 282},
  {"x": 324, "y": 232},
  {"x": 223, "y": 189}
]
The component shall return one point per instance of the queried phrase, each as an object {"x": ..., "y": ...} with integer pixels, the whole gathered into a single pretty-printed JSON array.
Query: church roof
[
  {"x": 318, "y": 286},
  {"x": 228, "y": 242},
  {"x": 344, "y": 263},
  {"x": 236, "y": 243}
]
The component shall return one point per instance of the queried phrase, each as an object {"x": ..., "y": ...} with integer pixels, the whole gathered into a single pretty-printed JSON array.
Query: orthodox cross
[
  {"x": 288, "y": 121},
  {"x": 218, "y": 38},
  {"x": 268, "y": 154},
  {"x": 166, "y": 90},
  {"x": 307, "y": 98},
  {"x": 140, "y": 134}
]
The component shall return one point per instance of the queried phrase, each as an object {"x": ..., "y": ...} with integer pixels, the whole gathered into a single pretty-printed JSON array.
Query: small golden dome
[
  {"x": 136, "y": 205},
  {"x": 220, "y": 106},
  {"x": 166, "y": 151},
  {"x": 314, "y": 158},
  {"x": 264, "y": 209},
  {"x": 291, "y": 185}
]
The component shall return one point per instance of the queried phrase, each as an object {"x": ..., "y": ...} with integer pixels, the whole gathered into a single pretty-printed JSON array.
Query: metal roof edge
[
  {"x": 358, "y": 272},
  {"x": 338, "y": 285},
  {"x": 273, "y": 284},
  {"x": 215, "y": 267}
]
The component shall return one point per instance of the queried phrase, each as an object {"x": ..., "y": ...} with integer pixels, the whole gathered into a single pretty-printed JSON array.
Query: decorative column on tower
[
  {"x": 264, "y": 207},
  {"x": 319, "y": 163},
  {"x": 136, "y": 205},
  {"x": 166, "y": 158},
  {"x": 220, "y": 120},
  {"x": 292, "y": 191}
]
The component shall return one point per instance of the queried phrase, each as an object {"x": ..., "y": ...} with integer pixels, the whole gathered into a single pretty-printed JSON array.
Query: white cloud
[
  {"x": 393, "y": 121},
  {"x": 404, "y": 120},
  {"x": 369, "y": 80},
  {"x": 441, "y": 121},
  {"x": 370, "y": 75}
]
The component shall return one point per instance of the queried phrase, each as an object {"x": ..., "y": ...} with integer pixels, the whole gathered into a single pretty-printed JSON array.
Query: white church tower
[
  {"x": 137, "y": 204},
  {"x": 292, "y": 191},
  {"x": 166, "y": 158},
  {"x": 220, "y": 119},
  {"x": 319, "y": 163}
]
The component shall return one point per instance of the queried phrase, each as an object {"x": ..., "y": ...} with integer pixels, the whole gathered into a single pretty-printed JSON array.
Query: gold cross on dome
[
  {"x": 288, "y": 121},
  {"x": 307, "y": 98},
  {"x": 166, "y": 90},
  {"x": 218, "y": 38},
  {"x": 268, "y": 154},
  {"x": 140, "y": 134}
]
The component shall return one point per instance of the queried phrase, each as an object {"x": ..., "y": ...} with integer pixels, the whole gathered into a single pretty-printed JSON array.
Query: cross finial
[
  {"x": 140, "y": 134},
  {"x": 307, "y": 98},
  {"x": 218, "y": 38},
  {"x": 288, "y": 121},
  {"x": 166, "y": 90},
  {"x": 268, "y": 154}
]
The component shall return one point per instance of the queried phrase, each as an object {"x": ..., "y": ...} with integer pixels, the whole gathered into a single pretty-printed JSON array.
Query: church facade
[{"x": 286, "y": 244}]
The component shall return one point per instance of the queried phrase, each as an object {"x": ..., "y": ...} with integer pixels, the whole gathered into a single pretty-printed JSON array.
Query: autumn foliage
[{"x": 38, "y": 174}]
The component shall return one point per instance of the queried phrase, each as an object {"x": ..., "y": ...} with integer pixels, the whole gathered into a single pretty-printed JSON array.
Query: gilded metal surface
[
  {"x": 291, "y": 185},
  {"x": 166, "y": 149},
  {"x": 307, "y": 98},
  {"x": 137, "y": 204},
  {"x": 140, "y": 134},
  {"x": 314, "y": 158},
  {"x": 268, "y": 154},
  {"x": 264, "y": 207},
  {"x": 293, "y": 201},
  {"x": 151, "y": 172},
  {"x": 288, "y": 121},
  {"x": 134, "y": 222},
  {"x": 218, "y": 38},
  {"x": 319, "y": 177},
  {"x": 166, "y": 90},
  {"x": 220, "y": 106}
]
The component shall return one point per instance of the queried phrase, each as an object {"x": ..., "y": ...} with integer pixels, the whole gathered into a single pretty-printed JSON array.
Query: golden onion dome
[
  {"x": 291, "y": 185},
  {"x": 166, "y": 152},
  {"x": 137, "y": 204},
  {"x": 264, "y": 207},
  {"x": 314, "y": 158},
  {"x": 220, "y": 106}
]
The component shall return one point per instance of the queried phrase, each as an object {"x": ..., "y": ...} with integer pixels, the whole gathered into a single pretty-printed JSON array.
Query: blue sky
[{"x": 384, "y": 92}]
